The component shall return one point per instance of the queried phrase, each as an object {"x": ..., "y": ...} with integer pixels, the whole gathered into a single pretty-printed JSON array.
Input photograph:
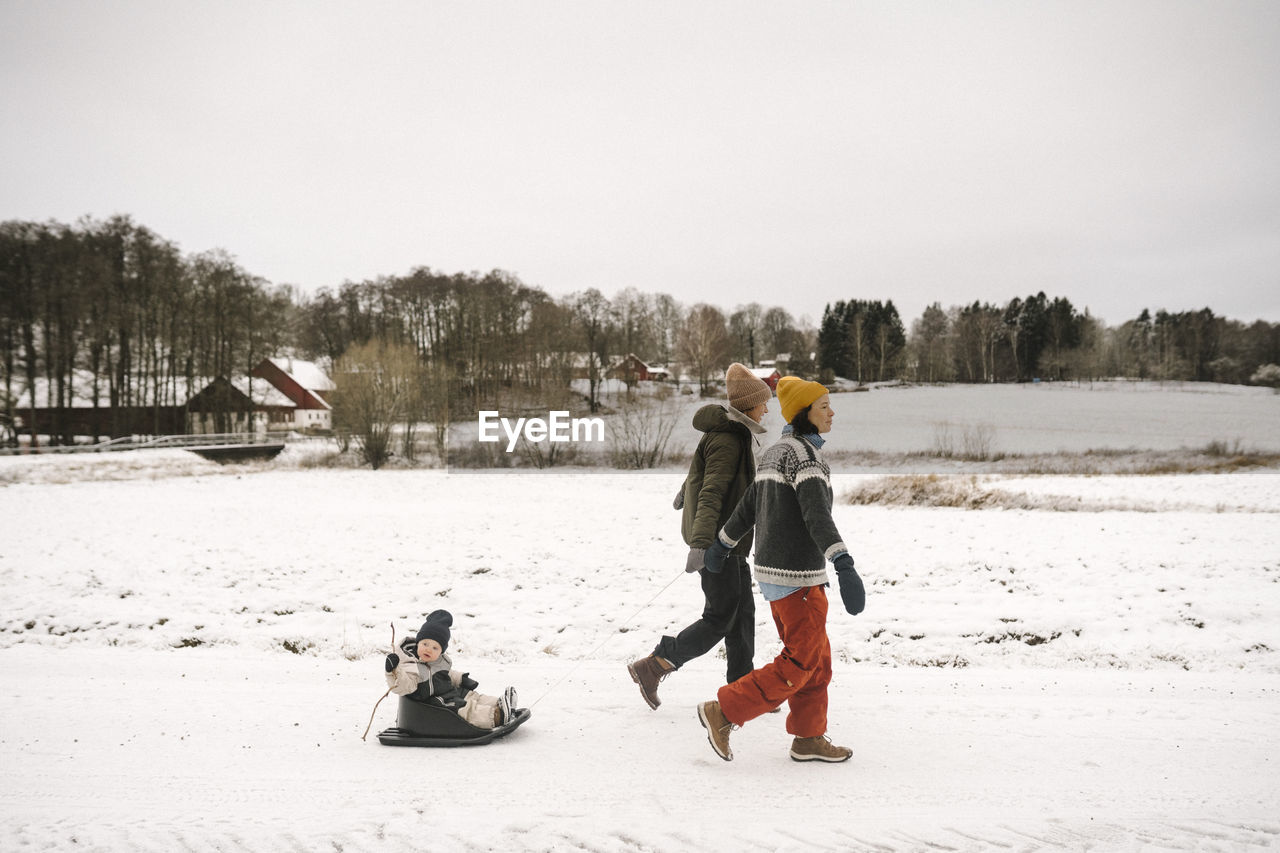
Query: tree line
[
  {"x": 110, "y": 312},
  {"x": 493, "y": 340},
  {"x": 1041, "y": 338}
]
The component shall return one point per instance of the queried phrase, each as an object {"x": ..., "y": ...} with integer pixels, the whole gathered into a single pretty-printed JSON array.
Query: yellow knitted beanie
[{"x": 795, "y": 394}]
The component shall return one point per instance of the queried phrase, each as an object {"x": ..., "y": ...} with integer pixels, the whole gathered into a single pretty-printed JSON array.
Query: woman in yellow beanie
[{"x": 789, "y": 507}]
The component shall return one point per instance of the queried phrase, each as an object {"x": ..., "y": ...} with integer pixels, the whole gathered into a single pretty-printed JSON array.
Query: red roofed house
[
  {"x": 632, "y": 369},
  {"x": 281, "y": 394},
  {"x": 770, "y": 375},
  {"x": 306, "y": 385}
]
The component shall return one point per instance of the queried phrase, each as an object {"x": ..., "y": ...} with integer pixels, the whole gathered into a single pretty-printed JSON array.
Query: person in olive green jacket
[{"x": 720, "y": 473}]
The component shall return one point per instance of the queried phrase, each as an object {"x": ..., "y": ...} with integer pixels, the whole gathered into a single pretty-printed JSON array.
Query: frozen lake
[
  {"x": 1040, "y": 418},
  {"x": 1047, "y": 418}
]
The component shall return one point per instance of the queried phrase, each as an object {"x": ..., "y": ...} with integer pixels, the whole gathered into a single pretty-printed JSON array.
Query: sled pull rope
[
  {"x": 384, "y": 695},
  {"x": 591, "y": 654}
]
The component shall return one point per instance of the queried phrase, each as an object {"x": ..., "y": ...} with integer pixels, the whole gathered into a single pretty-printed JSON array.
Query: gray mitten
[
  {"x": 678, "y": 503},
  {"x": 694, "y": 561},
  {"x": 852, "y": 592}
]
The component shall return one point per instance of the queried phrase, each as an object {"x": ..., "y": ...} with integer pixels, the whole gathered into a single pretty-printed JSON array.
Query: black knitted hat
[{"x": 436, "y": 628}]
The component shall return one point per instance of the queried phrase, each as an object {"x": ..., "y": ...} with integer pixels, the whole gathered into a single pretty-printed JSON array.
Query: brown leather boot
[
  {"x": 647, "y": 672},
  {"x": 818, "y": 748},
  {"x": 718, "y": 728}
]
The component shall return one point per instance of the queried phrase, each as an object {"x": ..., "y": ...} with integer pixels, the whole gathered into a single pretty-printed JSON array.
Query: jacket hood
[
  {"x": 711, "y": 417},
  {"x": 715, "y": 417}
]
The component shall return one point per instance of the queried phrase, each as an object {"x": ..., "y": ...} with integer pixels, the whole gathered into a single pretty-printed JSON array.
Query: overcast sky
[{"x": 1121, "y": 154}]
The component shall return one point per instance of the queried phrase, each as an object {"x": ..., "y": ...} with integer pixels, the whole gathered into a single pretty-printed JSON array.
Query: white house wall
[{"x": 304, "y": 419}]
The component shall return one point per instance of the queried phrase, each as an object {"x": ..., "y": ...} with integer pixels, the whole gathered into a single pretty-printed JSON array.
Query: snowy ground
[{"x": 189, "y": 655}]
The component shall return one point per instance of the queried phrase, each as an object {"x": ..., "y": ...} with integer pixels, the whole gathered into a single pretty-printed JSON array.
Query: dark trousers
[{"x": 729, "y": 614}]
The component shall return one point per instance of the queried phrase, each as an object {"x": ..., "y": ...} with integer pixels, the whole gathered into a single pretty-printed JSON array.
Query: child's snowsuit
[{"x": 438, "y": 683}]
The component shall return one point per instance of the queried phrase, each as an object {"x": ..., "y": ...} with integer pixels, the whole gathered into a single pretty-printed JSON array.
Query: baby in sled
[{"x": 424, "y": 671}]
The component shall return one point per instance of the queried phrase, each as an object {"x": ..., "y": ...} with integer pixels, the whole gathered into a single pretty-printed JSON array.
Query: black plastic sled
[{"x": 420, "y": 724}]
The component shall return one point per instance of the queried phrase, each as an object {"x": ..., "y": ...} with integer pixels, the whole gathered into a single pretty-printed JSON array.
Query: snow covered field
[{"x": 189, "y": 655}]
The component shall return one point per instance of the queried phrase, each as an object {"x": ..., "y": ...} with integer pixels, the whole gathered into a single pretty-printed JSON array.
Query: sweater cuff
[{"x": 835, "y": 551}]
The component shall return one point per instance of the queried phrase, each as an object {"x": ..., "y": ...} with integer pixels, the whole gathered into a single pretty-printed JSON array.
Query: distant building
[
  {"x": 770, "y": 375},
  {"x": 86, "y": 409},
  {"x": 782, "y": 361},
  {"x": 306, "y": 385},
  {"x": 279, "y": 395},
  {"x": 239, "y": 405},
  {"x": 632, "y": 369}
]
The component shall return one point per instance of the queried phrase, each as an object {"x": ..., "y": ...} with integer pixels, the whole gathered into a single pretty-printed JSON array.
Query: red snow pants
[{"x": 798, "y": 676}]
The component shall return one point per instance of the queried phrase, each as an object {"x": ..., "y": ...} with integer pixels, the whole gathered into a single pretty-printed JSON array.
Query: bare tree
[
  {"x": 668, "y": 316},
  {"x": 641, "y": 431},
  {"x": 21, "y": 284},
  {"x": 777, "y": 333},
  {"x": 436, "y": 399},
  {"x": 929, "y": 343},
  {"x": 704, "y": 344},
  {"x": 596, "y": 321},
  {"x": 745, "y": 324},
  {"x": 637, "y": 328},
  {"x": 378, "y": 386}
]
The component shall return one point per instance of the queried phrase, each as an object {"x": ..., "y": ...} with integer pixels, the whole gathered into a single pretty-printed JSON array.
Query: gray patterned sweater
[{"x": 789, "y": 505}]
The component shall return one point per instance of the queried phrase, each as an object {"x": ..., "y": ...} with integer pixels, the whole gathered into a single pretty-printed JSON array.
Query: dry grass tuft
[
  {"x": 923, "y": 490},
  {"x": 960, "y": 492}
]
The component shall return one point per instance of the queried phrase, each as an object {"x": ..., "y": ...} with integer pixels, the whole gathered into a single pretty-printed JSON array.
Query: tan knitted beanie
[{"x": 746, "y": 390}]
